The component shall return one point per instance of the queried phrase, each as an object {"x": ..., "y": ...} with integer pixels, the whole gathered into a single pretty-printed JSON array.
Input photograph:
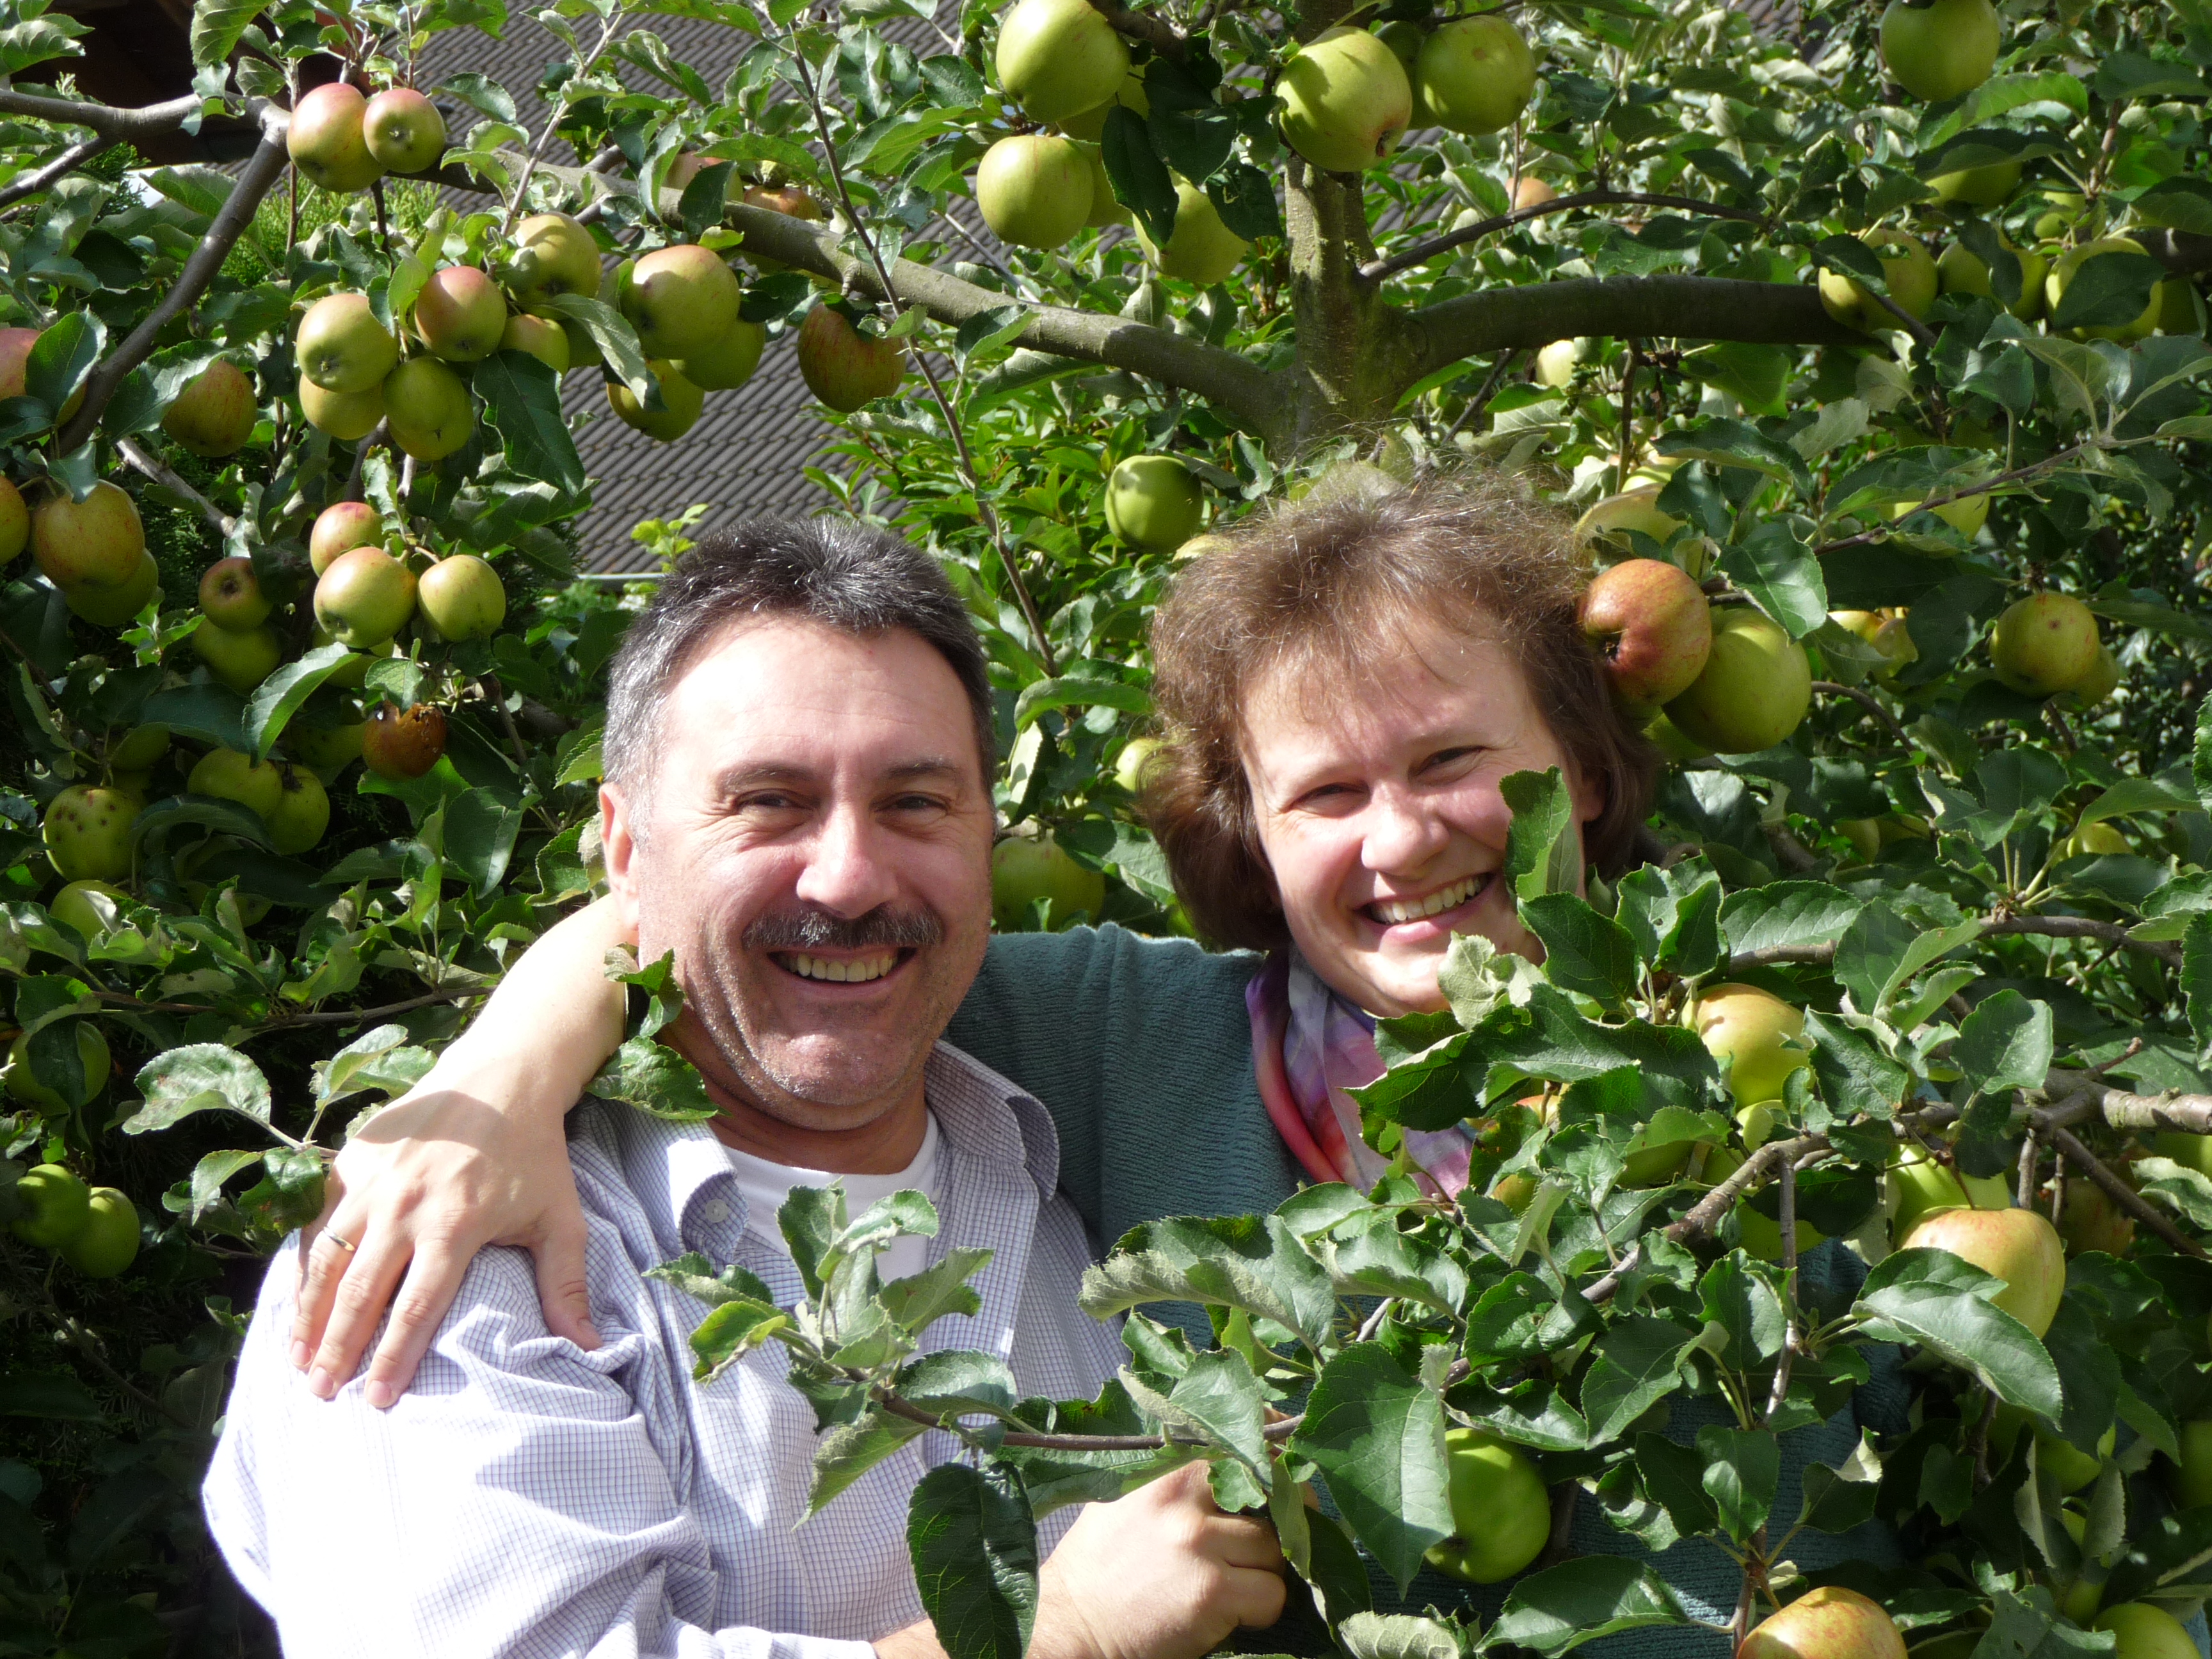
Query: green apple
[
  {"x": 1090, "y": 124},
  {"x": 325, "y": 748},
  {"x": 1982, "y": 186},
  {"x": 2072, "y": 1468},
  {"x": 1672, "y": 742},
  {"x": 1652, "y": 628},
  {"x": 683, "y": 399},
  {"x": 2017, "y": 1246},
  {"x": 1756, "y": 687},
  {"x": 340, "y": 527},
  {"x": 681, "y": 298},
  {"x": 231, "y": 595},
  {"x": 94, "y": 1063},
  {"x": 238, "y": 657},
  {"x": 2180, "y": 310},
  {"x": 1106, "y": 208},
  {"x": 140, "y": 747},
  {"x": 1864, "y": 837},
  {"x": 1755, "y": 1035},
  {"x": 403, "y": 131},
  {"x": 2061, "y": 277},
  {"x": 1965, "y": 515},
  {"x": 2044, "y": 643},
  {"x": 345, "y": 415},
  {"x": 87, "y": 832},
  {"x": 1888, "y": 635},
  {"x": 1034, "y": 189},
  {"x": 111, "y": 607},
  {"x": 108, "y": 1242},
  {"x": 1501, "y": 1513},
  {"x": 2191, "y": 1151},
  {"x": 341, "y": 346},
  {"x": 402, "y": 744},
  {"x": 227, "y": 775},
  {"x": 2090, "y": 1220},
  {"x": 2192, "y": 1475},
  {"x": 327, "y": 141},
  {"x": 1555, "y": 364},
  {"x": 554, "y": 255},
  {"x": 2092, "y": 840},
  {"x": 1605, "y": 527},
  {"x": 1907, "y": 269},
  {"x": 52, "y": 1204},
  {"x": 1060, "y": 57},
  {"x": 546, "y": 341},
  {"x": 1829, "y": 1622},
  {"x": 460, "y": 315},
  {"x": 730, "y": 362},
  {"x": 1028, "y": 867},
  {"x": 427, "y": 409},
  {"x": 364, "y": 597},
  {"x": 844, "y": 368},
  {"x": 14, "y": 521},
  {"x": 1153, "y": 502},
  {"x": 462, "y": 598},
  {"x": 2145, "y": 1633},
  {"x": 1474, "y": 76},
  {"x": 1942, "y": 51},
  {"x": 1200, "y": 249},
  {"x": 1961, "y": 271},
  {"x": 214, "y": 414},
  {"x": 87, "y": 906},
  {"x": 1923, "y": 1184},
  {"x": 302, "y": 812},
  {"x": 1402, "y": 36},
  {"x": 93, "y": 543},
  {"x": 1135, "y": 759},
  {"x": 1346, "y": 99}
]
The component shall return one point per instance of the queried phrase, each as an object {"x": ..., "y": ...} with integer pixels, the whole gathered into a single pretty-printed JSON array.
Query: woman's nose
[{"x": 1401, "y": 834}]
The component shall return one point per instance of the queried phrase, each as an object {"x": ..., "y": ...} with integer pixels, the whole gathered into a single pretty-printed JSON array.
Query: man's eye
[{"x": 910, "y": 804}]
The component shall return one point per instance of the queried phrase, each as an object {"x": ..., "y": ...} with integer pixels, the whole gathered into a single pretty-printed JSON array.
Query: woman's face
[{"x": 1378, "y": 809}]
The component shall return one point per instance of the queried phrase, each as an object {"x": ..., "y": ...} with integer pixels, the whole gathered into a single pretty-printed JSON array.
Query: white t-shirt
[{"x": 766, "y": 1185}]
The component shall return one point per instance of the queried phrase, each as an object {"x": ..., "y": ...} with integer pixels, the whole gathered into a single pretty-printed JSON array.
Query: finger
[
  {"x": 563, "y": 1290},
  {"x": 1255, "y": 1597},
  {"x": 433, "y": 1278},
  {"x": 322, "y": 1263},
  {"x": 363, "y": 1293},
  {"x": 1237, "y": 1542}
]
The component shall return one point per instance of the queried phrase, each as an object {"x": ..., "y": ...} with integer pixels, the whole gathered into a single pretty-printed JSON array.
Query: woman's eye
[{"x": 1445, "y": 760}]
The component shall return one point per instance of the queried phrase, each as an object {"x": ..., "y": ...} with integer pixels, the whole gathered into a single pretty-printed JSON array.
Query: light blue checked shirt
[{"x": 528, "y": 1499}]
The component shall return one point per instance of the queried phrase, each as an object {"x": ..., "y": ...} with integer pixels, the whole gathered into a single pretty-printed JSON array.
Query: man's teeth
[
  {"x": 853, "y": 972},
  {"x": 1436, "y": 904}
]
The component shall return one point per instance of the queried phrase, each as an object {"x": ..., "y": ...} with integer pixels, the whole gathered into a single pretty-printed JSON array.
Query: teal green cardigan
[{"x": 1141, "y": 1049}]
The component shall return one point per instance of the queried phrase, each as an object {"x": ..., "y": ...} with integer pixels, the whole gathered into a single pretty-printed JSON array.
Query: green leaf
[
  {"x": 62, "y": 355},
  {"x": 694, "y": 1275},
  {"x": 216, "y": 26},
  {"x": 1638, "y": 1365},
  {"x": 2005, "y": 1043},
  {"x": 522, "y": 398},
  {"x": 1941, "y": 1302},
  {"x": 1556, "y": 1610},
  {"x": 1786, "y": 915},
  {"x": 279, "y": 697},
  {"x": 1542, "y": 849},
  {"x": 481, "y": 92},
  {"x": 480, "y": 832},
  {"x": 2197, "y": 977},
  {"x": 617, "y": 341},
  {"x": 209, "y": 1175},
  {"x": 1835, "y": 1502},
  {"x": 1855, "y": 1078},
  {"x": 2108, "y": 290},
  {"x": 334, "y": 1078},
  {"x": 197, "y": 1078},
  {"x": 1674, "y": 916},
  {"x": 1739, "y": 1299},
  {"x": 1880, "y": 951},
  {"x": 1250, "y": 1262},
  {"x": 1674, "y": 1477},
  {"x": 1369, "y": 1635},
  {"x": 1141, "y": 180},
  {"x": 957, "y": 1381},
  {"x": 919, "y": 1300},
  {"x": 849, "y": 1451},
  {"x": 732, "y": 1331},
  {"x": 1375, "y": 1432},
  {"x": 1074, "y": 691},
  {"x": 1743, "y": 1466},
  {"x": 1583, "y": 951},
  {"x": 656, "y": 1080},
  {"x": 1755, "y": 375},
  {"x": 973, "y": 1543},
  {"x": 1779, "y": 571}
]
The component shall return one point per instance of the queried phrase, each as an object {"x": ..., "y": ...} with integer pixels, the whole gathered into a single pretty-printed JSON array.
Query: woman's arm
[{"x": 473, "y": 1155}]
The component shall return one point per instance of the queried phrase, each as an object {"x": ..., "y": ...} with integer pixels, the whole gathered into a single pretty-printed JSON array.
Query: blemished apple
[
  {"x": 108, "y": 1242},
  {"x": 1960, "y": 270},
  {"x": 1060, "y": 57},
  {"x": 1475, "y": 75},
  {"x": 364, "y": 598},
  {"x": 95, "y": 542},
  {"x": 401, "y": 743},
  {"x": 1154, "y": 503},
  {"x": 680, "y": 298},
  {"x": 238, "y": 657},
  {"x": 1755, "y": 1035},
  {"x": 554, "y": 255},
  {"x": 1652, "y": 624},
  {"x": 53, "y": 1202},
  {"x": 94, "y": 1060},
  {"x": 341, "y": 346},
  {"x": 427, "y": 409},
  {"x": 1027, "y": 868},
  {"x": 1941, "y": 51},
  {"x": 111, "y": 607},
  {"x": 340, "y": 527},
  {"x": 344, "y": 415},
  {"x": 460, "y": 315},
  {"x": 1501, "y": 1512},
  {"x": 545, "y": 340},
  {"x": 1034, "y": 189},
  {"x": 2044, "y": 643},
  {"x": 87, "y": 833},
  {"x": 730, "y": 362},
  {"x": 14, "y": 521},
  {"x": 231, "y": 596},
  {"x": 843, "y": 368},
  {"x": 1346, "y": 99},
  {"x": 1607, "y": 523},
  {"x": 1982, "y": 186},
  {"x": 2061, "y": 276},
  {"x": 1827, "y": 1623},
  {"x": 1200, "y": 249},
  {"x": 403, "y": 131},
  {"x": 1907, "y": 269},
  {"x": 327, "y": 141},
  {"x": 2019, "y": 1247},
  {"x": 214, "y": 414},
  {"x": 463, "y": 597},
  {"x": 1755, "y": 688},
  {"x": 2144, "y": 1631},
  {"x": 302, "y": 812},
  {"x": 684, "y": 401},
  {"x": 227, "y": 775}
]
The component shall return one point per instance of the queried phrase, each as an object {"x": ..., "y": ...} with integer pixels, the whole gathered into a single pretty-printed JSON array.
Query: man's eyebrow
[
  {"x": 927, "y": 766},
  {"x": 777, "y": 772}
]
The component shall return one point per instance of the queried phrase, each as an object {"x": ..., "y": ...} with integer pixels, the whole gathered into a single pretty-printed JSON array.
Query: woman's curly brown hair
[{"x": 1328, "y": 583}]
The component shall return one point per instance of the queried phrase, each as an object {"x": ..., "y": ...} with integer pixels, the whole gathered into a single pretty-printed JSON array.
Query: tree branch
[
  {"x": 1162, "y": 36},
  {"x": 2124, "y": 1195},
  {"x": 140, "y": 461},
  {"x": 1405, "y": 258},
  {"x": 1868, "y": 701},
  {"x": 31, "y": 183},
  {"x": 151, "y": 122}
]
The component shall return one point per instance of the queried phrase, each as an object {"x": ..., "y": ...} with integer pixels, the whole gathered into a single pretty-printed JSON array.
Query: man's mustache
[{"x": 811, "y": 927}]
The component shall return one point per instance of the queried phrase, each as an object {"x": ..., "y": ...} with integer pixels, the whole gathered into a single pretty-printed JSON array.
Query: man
[{"x": 798, "y": 805}]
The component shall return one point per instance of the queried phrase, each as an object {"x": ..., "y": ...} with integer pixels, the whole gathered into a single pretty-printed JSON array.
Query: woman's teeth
[
  {"x": 1393, "y": 912},
  {"x": 854, "y": 972}
]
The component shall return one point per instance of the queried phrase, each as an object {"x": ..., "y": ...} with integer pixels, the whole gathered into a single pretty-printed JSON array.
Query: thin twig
[
  {"x": 1481, "y": 401},
  {"x": 1867, "y": 701},
  {"x": 31, "y": 183},
  {"x": 2024, "y": 1187},
  {"x": 1376, "y": 269},
  {"x": 1162, "y": 36},
  {"x": 2033, "y": 469},
  {"x": 2124, "y": 1195},
  {"x": 162, "y": 474}
]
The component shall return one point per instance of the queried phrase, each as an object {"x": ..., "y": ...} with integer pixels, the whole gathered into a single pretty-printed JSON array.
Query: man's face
[{"x": 816, "y": 849}]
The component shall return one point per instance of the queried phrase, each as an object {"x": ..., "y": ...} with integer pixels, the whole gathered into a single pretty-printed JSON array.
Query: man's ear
[{"x": 618, "y": 843}]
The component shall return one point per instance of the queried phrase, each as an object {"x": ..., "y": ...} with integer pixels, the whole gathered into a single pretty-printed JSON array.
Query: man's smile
[{"x": 857, "y": 967}]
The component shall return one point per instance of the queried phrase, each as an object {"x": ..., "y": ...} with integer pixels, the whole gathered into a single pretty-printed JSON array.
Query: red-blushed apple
[
  {"x": 301, "y": 813},
  {"x": 227, "y": 775},
  {"x": 545, "y": 340},
  {"x": 684, "y": 402},
  {"x": 1650, "y": 622},
  {"x": 681, "y": 298},
  {"x": 14, "y": 521},
  {"x": 427, "y": 409},
  {"x": 460, "y": 315},
  {"x": 1755, "y": 688},
  {"x": 231, "y": 596},
  {"x": 554, "y": 255},
  {"x": 15, "y": 345},
  {"x": 239, "y": 658},
  {"x": 364, "y": 598},
  {"x": 401, "y": 743},
  {"x": 1346, "y": 99},
  {"x": 2018, "y": 1246},
  {"x": 1154, "y": 503},
  {"x": 844, "y": 368},
  {"x": 1034, "y": 189},
  {"x": 2044, "y": 644},
  {"x": 214, "y": 414},
  {"x": 93, "y": 543},
  {"x": 326, "y": 143},
  {"x": 340, "y": 527},
  {"x": 1060, "y": 57},
  {"x": 1529, "y": 191},
  {"x": 1827, "y": 1623},
  {"x": 791, "y": 203},
  {"x": 403, "y": 131},
  {"x": 730, "y": 362},
  {"x": 463, "y": 597},
  {"x": 111, "y": 607},
  {"x": 87, "y": 832},
  {"x": 341, "y": 346},
  {"x": 345, "y": 415}
]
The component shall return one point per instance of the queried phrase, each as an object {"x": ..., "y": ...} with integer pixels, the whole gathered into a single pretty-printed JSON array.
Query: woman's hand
[{"x": 461, "y": 1162}]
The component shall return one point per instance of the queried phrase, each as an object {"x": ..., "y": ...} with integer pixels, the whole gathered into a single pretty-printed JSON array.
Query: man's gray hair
[{"x": 839, "y": 572}]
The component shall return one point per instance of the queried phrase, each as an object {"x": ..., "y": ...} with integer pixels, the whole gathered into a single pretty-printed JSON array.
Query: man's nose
[
  {"x": 1401, "y": 834},
  {"x": 846, "y": 871}
]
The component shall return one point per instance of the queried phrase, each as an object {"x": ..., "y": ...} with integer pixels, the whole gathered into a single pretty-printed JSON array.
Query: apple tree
[{"x": 1869, "y": 347}]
